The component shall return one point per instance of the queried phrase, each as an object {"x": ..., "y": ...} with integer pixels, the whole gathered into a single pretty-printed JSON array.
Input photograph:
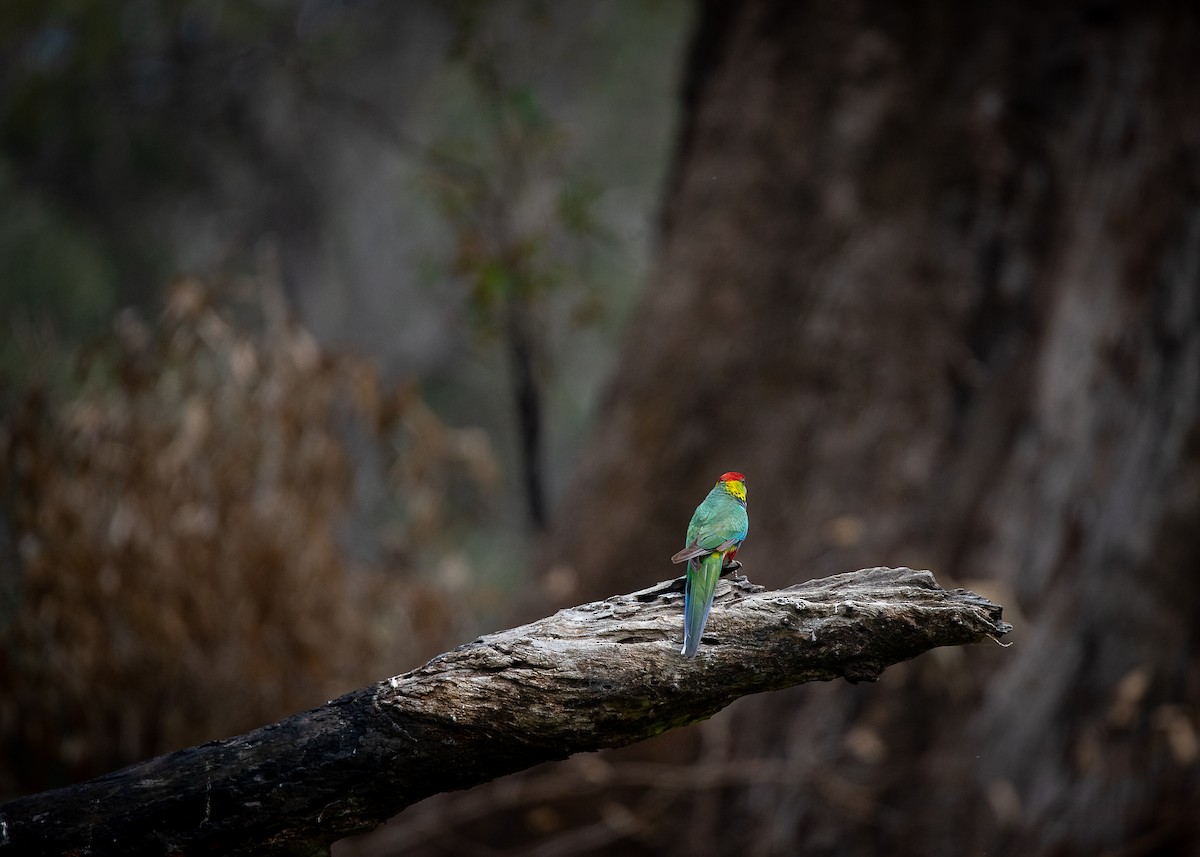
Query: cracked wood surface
[{"x": 603, "y": 674}]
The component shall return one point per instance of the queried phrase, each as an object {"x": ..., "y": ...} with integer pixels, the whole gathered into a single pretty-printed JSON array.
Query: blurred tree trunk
[{"x": 930, "y": 277}]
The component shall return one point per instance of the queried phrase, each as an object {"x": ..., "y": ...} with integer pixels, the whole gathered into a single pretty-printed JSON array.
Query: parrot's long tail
[{"x": 698, "y": 598}]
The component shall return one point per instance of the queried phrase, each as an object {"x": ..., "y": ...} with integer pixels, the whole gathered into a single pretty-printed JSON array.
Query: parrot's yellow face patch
[{"x": 736, "y": 488}]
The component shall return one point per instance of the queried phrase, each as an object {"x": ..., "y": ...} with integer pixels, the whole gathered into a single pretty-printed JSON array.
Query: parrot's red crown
[{"x": 732, "y": 476}]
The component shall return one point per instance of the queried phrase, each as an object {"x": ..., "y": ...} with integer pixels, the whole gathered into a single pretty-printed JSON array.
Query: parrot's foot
[{"x": 730, "y": 567}]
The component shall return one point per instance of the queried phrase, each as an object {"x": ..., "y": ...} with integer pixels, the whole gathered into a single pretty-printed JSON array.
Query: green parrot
[{"x": 716, "y": 532}]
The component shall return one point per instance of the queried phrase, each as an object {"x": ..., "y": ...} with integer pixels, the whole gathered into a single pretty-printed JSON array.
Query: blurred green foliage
[
  {"x": 106, "y": 112},
  {"x": 57, "y": 286},
  {"x": 521, "y": 215}
]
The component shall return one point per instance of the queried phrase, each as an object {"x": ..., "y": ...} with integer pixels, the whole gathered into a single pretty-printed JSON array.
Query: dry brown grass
[{"x": 175, "y": 572}]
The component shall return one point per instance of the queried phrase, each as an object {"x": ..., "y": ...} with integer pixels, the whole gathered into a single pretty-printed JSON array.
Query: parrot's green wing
[{"x": 718, "y": 524}]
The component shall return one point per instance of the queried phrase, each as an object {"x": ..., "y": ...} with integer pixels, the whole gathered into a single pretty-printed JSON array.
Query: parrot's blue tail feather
[{"x": 702, "y": 576}]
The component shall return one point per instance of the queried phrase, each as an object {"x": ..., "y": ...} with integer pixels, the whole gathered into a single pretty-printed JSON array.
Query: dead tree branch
[{"x": 599, "y": 675}]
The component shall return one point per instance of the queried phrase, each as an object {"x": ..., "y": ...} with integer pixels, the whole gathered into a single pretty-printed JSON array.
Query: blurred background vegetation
[{"x": 306, "y": 307}]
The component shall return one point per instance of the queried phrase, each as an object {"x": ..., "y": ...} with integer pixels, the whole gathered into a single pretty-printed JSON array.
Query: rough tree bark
[{"x": 604, "y": 674}]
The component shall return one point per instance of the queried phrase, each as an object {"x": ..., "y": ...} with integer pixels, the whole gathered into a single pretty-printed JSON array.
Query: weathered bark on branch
[{"x": 604, "y": 674}]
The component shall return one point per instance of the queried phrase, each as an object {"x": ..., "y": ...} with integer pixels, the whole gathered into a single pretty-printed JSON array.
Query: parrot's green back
[{"x": 717, "y": 529}]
